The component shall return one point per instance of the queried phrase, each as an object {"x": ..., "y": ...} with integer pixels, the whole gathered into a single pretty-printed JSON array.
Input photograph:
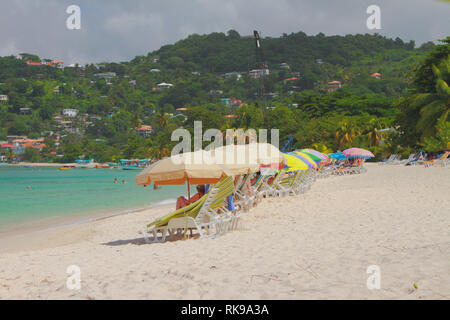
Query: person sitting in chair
[{"x": 183, "y": 202}]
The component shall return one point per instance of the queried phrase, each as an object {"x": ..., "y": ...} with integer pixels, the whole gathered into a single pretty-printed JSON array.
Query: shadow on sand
[{"x": 141, "y": 241}]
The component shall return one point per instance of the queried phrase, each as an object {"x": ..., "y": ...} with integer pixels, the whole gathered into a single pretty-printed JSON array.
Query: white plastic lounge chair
[{"x": 208, "y": 216}]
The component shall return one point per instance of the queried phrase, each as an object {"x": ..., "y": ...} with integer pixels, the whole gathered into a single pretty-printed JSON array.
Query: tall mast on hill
[
  {"x": 261, "y": 68},
  {"x": 260, "y": 63}
]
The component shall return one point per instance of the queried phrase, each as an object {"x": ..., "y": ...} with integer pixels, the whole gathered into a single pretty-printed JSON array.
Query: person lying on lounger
[{"x": 183, "y": 202}]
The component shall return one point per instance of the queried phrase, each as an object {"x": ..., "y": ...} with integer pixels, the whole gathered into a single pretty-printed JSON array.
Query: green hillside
[{"x": 114, "y": 99}]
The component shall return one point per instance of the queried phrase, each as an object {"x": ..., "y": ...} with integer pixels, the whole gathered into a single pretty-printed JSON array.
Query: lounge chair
[
  {"x": 441, "y": 161},
  {"x": 391, "y": 158},
  {"x": 241, "y": 194},
  {"x": 346, "y": 169},
  {"x": 301, "y": 183},
  {"x": 268, "y": 189},
  {"x": 248, "y": 197},
  {"x": 284, "y": 186},
  {"x": 405, "y": 161},
  {"x": 207, "y": 215}
]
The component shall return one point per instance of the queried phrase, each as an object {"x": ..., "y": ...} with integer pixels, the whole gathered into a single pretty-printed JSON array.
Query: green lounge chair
[{"x": 207, "y": 215}]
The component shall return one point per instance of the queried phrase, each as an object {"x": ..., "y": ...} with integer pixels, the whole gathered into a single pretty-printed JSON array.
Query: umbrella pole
[{"x": 189, "y": 190}]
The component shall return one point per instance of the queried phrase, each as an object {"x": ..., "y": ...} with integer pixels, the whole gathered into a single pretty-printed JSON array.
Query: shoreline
[
  {"x": 55, "y": 225},
  {"x": 40, "y": 164}
]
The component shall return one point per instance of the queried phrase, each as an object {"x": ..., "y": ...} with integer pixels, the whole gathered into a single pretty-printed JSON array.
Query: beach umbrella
[
  {"x": 267, "y": 154},
  {"x": 295, "y": 163},
  {"x": 235, "y": 159},
  {"x": 193, "y": 167},
  {"x": 307, "y": 158},
  {"x": 337, "y": 156},
  {"x": 316, "y": 153},
  {"x": 312, "y": 156},
  {"x": 263, "y": 154},
  {"x": 310, "y": 163},
  {"x": 358, "y": 153}
]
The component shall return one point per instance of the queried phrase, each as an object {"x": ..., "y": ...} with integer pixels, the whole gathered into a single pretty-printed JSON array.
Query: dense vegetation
[{"x": 412, "y": 97}]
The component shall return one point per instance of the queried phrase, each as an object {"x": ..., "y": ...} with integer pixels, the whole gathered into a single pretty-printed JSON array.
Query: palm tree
[
  {"x": 345, "y": 133},
  {"x": 434, "y": 105},
  {"x": 163, "y": 120},
  {"x": 373, "y": 126}
]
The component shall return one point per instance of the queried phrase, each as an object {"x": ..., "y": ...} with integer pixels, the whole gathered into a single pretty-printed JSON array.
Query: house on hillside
[
  {"x": 144, "y": 131},
  {"x": 376, "y": 75},
  {"x": 31, "y": 63},
  {"x": 231, "y": 75},
  {"x": 155, "y": 70},
  {"x": 290, "y": 79},
  {"x": 215, "y": 92},
  {"x": 24, "y": 111},
  {"x": 3, "y": 97},
  {"x": 56, "y": 63},
  {"x": 71, "y": 113},
  {"x": 24, "y": 142},
  {"x": 107, "y": 76},
  {"x": 231, "y": 102},
  {"x": 181, "y": 110},
  {"x": 333, "y": 85},
  {"x": 7, "y": 146},
  {"x": 258, "y": 73},
  {"x": 163, "y": 86}
]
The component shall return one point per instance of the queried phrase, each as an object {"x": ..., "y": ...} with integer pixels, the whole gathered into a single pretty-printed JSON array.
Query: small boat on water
[
  {"x": 102, "y": 166},
  {"x": 134, "y": 164},
  {"x": 65, "y": 168},
  {"x": 85, "y": 164}
]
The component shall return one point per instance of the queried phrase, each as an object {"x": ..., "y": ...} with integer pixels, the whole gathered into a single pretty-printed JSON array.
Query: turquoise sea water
[{"x": 57, "y": 195}]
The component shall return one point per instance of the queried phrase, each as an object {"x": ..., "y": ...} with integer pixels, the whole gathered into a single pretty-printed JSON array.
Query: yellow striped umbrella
[{"x": 295, "y": 163}]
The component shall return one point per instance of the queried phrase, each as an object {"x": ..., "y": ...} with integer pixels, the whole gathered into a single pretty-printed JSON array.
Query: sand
[
  {"x": 41, "y": 164},
  {"x": 312, "y": 246}
]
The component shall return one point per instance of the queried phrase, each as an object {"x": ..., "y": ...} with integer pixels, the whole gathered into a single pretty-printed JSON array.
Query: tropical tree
[
  {"x": 345, "y": 133},
  {"x": 434, "y": 105},
  {"x": 442, "y": 139},
  {"x": 163, "y": 119},
  {"x": 373, "y": 126}
]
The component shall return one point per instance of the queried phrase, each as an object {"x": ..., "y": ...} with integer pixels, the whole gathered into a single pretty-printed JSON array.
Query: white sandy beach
[{"x": 313, "y": 246}]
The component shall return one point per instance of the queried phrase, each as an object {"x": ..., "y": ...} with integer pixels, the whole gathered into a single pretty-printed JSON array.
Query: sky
[{"x": 119, "y": 30}]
